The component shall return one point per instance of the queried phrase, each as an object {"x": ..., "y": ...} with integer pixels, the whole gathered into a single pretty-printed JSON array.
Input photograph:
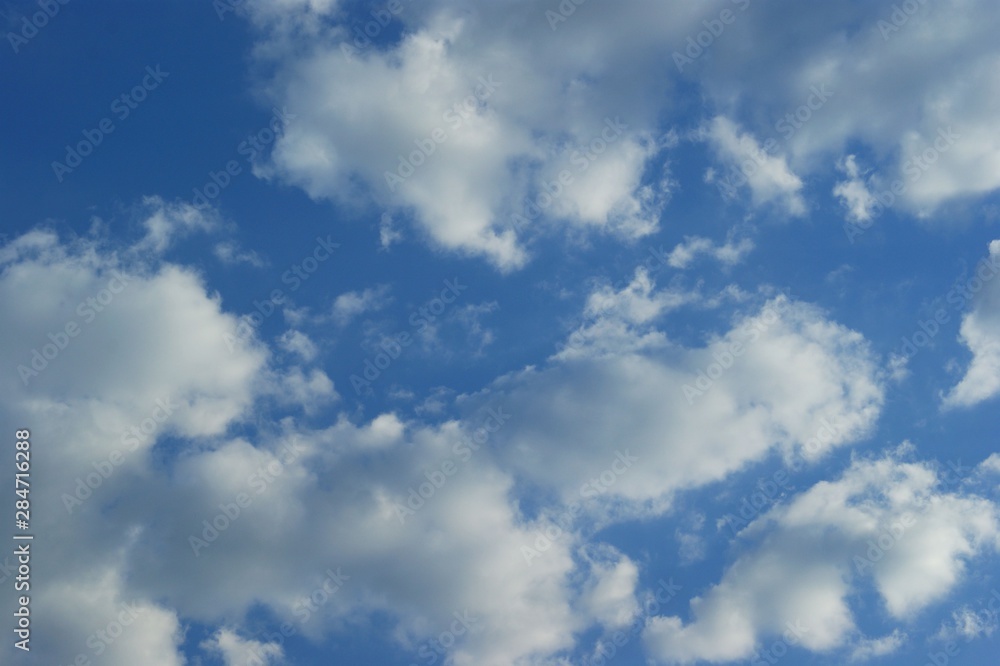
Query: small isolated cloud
[
  {"x": 768, "y": 175},
  {"x": 730, "y": 253},
  {"x": 230, "y": 253},
  {"x": 349, "y": 305},
  {"x": 853, "y": 192},
  {"x": 969, "y": 624},
  {"x": 388, "y": 234},
  {"x": 869, "y": 648},
  {"x": 166, "y": 223}
]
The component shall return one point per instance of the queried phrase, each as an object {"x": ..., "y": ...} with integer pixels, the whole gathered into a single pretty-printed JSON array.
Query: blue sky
[{"x": 513, "y": 333}]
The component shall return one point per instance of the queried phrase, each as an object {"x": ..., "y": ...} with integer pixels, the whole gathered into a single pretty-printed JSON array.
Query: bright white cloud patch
[
  {"x": 768, "y": 176},
  {"x": 854, "y": 193},
  {"x": 690, "y": 416},
  {"x": 884, "y": 523},
  {"x": 237, "y": 651}
]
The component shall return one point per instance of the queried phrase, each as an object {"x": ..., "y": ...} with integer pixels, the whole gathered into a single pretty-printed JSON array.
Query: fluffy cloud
[
  {"x": 473, "y": 118},
  {"x": 106, "y": 359},
  {"x": 768, "y": 176},
  {"x": 458, "y": 122},
  {"x": 854, "y": 193},
  {"x": 690, "y": 416},
  {"x": 980, "y": 332},
  {"x": 885, "y": 523},
  {"x": 942, "y": 146}
]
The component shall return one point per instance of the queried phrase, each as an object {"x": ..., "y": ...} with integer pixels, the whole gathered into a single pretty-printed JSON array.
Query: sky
[{"x": 512, "y": 333}]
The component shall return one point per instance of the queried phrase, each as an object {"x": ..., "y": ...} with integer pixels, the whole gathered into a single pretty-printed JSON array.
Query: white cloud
[
  {"x": 359, "y": 116},
  {"x": 349, "y": 305},
  {"x": 980, "y": 332},
  {"x": 166, "y": 222},
  {"x": 610, "y": 593},
  {"x": 853, "y": 192},
  {"x": 624, "y": 385},
  {"x": 388, "y": 235},
  {"x": 730, "y": 253},
  {"x": 230, "y": 253},
  {"x": 297, "y": 342},
  {"x": 769, "y": 176},
  {"x": 159, "y": 335},
  {"x": 238, "y": 651},
  {"x": 940, "y": 58},
  {"x": 884, "y": 521},
  {"x": 545, "y": 106},
  {"x": 868, "y": 648},
  {"x": 969, "y": 624},
  {"x": 310, "y": 391}
]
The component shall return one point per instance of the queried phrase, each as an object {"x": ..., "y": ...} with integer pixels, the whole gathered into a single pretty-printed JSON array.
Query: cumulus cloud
[
  {"x": 114, "y": 357},
  {"x": 457, "y": 122},
  {"x": 690, "y": 415},
  {"x": 940, "y": 148},
  {"x": 768, "y": 176},
  {"x": 980, "y": 332},
  {"x": 885, "y": 523}
]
